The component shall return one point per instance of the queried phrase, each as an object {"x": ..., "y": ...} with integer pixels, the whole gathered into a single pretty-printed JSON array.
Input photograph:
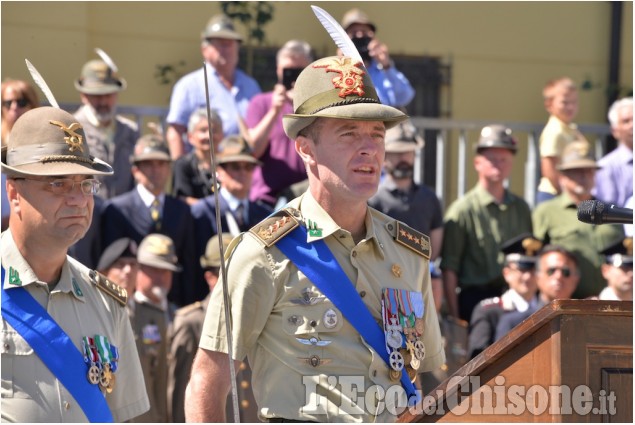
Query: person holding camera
[
  {"x": 393, "y": 88},
  {"x": 281, "y": 165}
]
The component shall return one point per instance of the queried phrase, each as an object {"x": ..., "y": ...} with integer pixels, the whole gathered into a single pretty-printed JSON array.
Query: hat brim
[
  {"x": 238, "y": 158},
  {"x": 154, "y": 156},
  {"x": 159, "y": 264},
  {"x": 401, "y": 147},
  {"x": 294, "y": 123},
  {"x": 585, "y": 163},
  {"x": 101, "y": 88},
  {"x": 223, "y": 34},
  {"x": 57, "y": 168}
]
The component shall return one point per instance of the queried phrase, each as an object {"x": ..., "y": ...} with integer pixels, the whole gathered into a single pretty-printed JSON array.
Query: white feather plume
[
  {"x": 107, "y": 59},
  {"x": 337, "y": 33},
  {"x": 39, "y": 80}
]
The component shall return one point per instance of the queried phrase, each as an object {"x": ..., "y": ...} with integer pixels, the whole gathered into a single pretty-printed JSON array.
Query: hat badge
[
  {"x": 628, "y": 244},
  {"x": 350, "y": 79},
  {"x": 73, "y": 139},
  {"x": 160, "y": 247},
  {"x": 531, "y": 246}
]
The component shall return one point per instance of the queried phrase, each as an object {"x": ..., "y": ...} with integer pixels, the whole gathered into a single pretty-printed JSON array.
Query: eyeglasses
[
  {"x": 65, "y": 186},
  {"x": 237, "y": 166},
  {"x": 20, "y": 102},
  {"x": 566, "y": 271}
]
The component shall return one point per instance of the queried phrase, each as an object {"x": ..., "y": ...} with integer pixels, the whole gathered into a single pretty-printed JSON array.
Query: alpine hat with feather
[
  {"x": 337, "y": 87},
  {"x": 49, "y": 141}
]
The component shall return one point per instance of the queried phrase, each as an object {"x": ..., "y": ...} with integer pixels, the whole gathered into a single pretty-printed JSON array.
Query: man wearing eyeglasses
[
  {"x": 519, "y": 273},
  {"x": 558, "y": 276},
  {"x": 230, "y": 89},
  {"x": 68, "y": 352}
]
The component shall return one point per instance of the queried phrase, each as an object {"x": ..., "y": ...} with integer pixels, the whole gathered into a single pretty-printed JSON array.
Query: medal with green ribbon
[{"x": 107, "y": 378}]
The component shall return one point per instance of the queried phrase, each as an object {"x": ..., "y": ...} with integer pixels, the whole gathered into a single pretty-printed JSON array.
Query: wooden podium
[{"x": 585, "y": 346}]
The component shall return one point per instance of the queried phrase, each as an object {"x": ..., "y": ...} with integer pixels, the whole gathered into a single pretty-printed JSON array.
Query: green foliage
[{"x": 254, "y": 15}]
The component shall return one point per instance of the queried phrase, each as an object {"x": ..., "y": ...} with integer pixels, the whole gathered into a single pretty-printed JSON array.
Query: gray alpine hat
[{"x": 49, "y": 141}]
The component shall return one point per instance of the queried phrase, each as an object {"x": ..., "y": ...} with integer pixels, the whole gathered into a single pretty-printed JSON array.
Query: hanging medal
[
  {"x": 107, "y": 377},
  {"x": 91, "y": 358}
]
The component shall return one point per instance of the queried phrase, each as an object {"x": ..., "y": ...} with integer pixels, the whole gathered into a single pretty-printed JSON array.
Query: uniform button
[
  {"x": 374, "y": 373},
  {"x": 242, "y": 366},
  {"x": 7, "y": 346},
  {"x": 244, "y": 404},
  {"x": 67, "y": 405},
  {"x": 362, "y": 294},
  {"x": 354, "y": 254},
  {"x": 313, "y": 323},
  {"x": 244, "y": 385}
]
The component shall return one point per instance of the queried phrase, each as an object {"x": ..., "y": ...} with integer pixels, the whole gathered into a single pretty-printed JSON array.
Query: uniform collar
[
  {"x": 18, "y": 272},
  {"x": 314, "y": 216},
  {"x": 485, "y": 198}
]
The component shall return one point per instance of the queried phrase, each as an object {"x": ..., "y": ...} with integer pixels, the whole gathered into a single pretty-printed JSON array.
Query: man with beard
[
  {"x": 477, "y": 224},
  {"x": 556, "y": 222},
  {"x": 109, "y": 136},
  {"x": 400, "y": 197}
]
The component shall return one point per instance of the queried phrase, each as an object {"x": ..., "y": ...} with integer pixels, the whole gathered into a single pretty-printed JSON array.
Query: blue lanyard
[
  {"x": 319, "y": 265},
  {"x": 56, "y": 350}
]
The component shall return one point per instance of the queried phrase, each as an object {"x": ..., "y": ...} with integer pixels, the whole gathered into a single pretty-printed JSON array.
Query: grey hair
[
  {"x": 295, "y": 48},
  {"x": 201, "y": 114},
  {"x": 615, "y": 107}
]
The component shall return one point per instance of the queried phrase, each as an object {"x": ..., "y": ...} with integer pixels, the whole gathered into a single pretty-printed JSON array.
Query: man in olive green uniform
[
  {"x": 68, "y": 352},
  {"x": 309, "y": 361},
  {"x": 476, "y": 225},
  {"x": 556, "y": 221},
  {"x": 151, "y": 317}
]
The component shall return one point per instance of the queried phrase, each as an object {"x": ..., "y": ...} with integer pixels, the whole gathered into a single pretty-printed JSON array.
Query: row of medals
[
  {"x": 102, "y": 376},
  {"x": 412, "y": 354}
]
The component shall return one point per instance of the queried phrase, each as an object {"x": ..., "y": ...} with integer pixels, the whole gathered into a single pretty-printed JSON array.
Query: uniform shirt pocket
[{"x": 17, "y": 362}]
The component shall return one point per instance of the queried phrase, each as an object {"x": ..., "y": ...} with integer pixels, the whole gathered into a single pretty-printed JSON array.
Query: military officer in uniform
[
  {"x": 151, "y": 318},
  {"x": 185, "y": 335},
  {"x": 309, "y": 351},
  {"x": 519, "y": 271},
  {"x": 68, "y": 352}
]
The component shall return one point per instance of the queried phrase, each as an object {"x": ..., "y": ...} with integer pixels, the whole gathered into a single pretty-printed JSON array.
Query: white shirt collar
[{"x": 147, "y": 197}]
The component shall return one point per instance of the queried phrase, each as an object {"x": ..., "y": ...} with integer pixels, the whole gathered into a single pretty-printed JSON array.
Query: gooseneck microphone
[{"x": 597, "y": 212}]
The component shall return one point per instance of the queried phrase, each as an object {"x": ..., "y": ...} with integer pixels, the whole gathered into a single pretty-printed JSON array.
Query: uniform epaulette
[
  {"x": 276, "y": 226},
  {"x": 110, "y": 288},
  {"x": 188, "y": 308},
  {"x": 489, "y": 302},
  {"x": 413, "y": 239}
]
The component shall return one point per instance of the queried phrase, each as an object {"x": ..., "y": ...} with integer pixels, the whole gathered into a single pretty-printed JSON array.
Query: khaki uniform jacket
[
  {"x": 184, "y": 338},
  {"x": 276, "y": 311},
  {"x": 30, "y": 393},
  {"x": 150, "y": 326}
]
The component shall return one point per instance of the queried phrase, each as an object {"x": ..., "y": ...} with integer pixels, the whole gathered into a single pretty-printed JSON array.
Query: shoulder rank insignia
[
  {"x": 110, "y": 288},
  {"x": 413, "y": 239},
  {"x": 276, "y": 226}
]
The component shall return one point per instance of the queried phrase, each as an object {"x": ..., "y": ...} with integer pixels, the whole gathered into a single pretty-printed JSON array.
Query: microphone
[{"x": 597, "y": 212}]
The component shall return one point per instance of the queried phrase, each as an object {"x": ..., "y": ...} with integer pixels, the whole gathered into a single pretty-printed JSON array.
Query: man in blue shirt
[
  {"x": 230, "y": 89},
  {"x": 393, "y": 88},
  {"x": 614, "y": 180}
]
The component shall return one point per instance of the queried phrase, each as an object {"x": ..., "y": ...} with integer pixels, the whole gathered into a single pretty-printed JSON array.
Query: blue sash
[
  {"x": 318, "y": 264},
  {"x": 55, "y": 349}
]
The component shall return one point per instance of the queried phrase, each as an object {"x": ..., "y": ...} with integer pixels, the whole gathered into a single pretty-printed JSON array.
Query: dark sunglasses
[
  {"x": 566, "y": 271},
  {"x": 20, "y": 102},
  {"x": 237, "y": 166}
]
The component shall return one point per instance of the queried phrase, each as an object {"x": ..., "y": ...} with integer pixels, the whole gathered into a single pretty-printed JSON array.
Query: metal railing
[{"x": 446, "y": 132}]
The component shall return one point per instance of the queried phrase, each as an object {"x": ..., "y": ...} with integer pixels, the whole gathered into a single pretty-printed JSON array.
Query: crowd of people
[{"x": 142, "y": 213}]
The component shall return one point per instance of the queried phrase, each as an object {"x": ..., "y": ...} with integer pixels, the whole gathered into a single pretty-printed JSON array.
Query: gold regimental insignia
[
  {"x": 531, "y": 246},
  {"x": 413, "y": 239},
  {"x": 73, "y": 139},
  {"x": 109, "y": 287},
  {"x": 350, "y": 79},
  {"x": 275, "y": 227},
  {"x": 628, "y": 244}
]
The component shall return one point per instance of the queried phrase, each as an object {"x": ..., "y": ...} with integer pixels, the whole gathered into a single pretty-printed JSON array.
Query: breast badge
[
  {"x": 330, "y": 318},
  {"x": 402, "y": 314}
]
